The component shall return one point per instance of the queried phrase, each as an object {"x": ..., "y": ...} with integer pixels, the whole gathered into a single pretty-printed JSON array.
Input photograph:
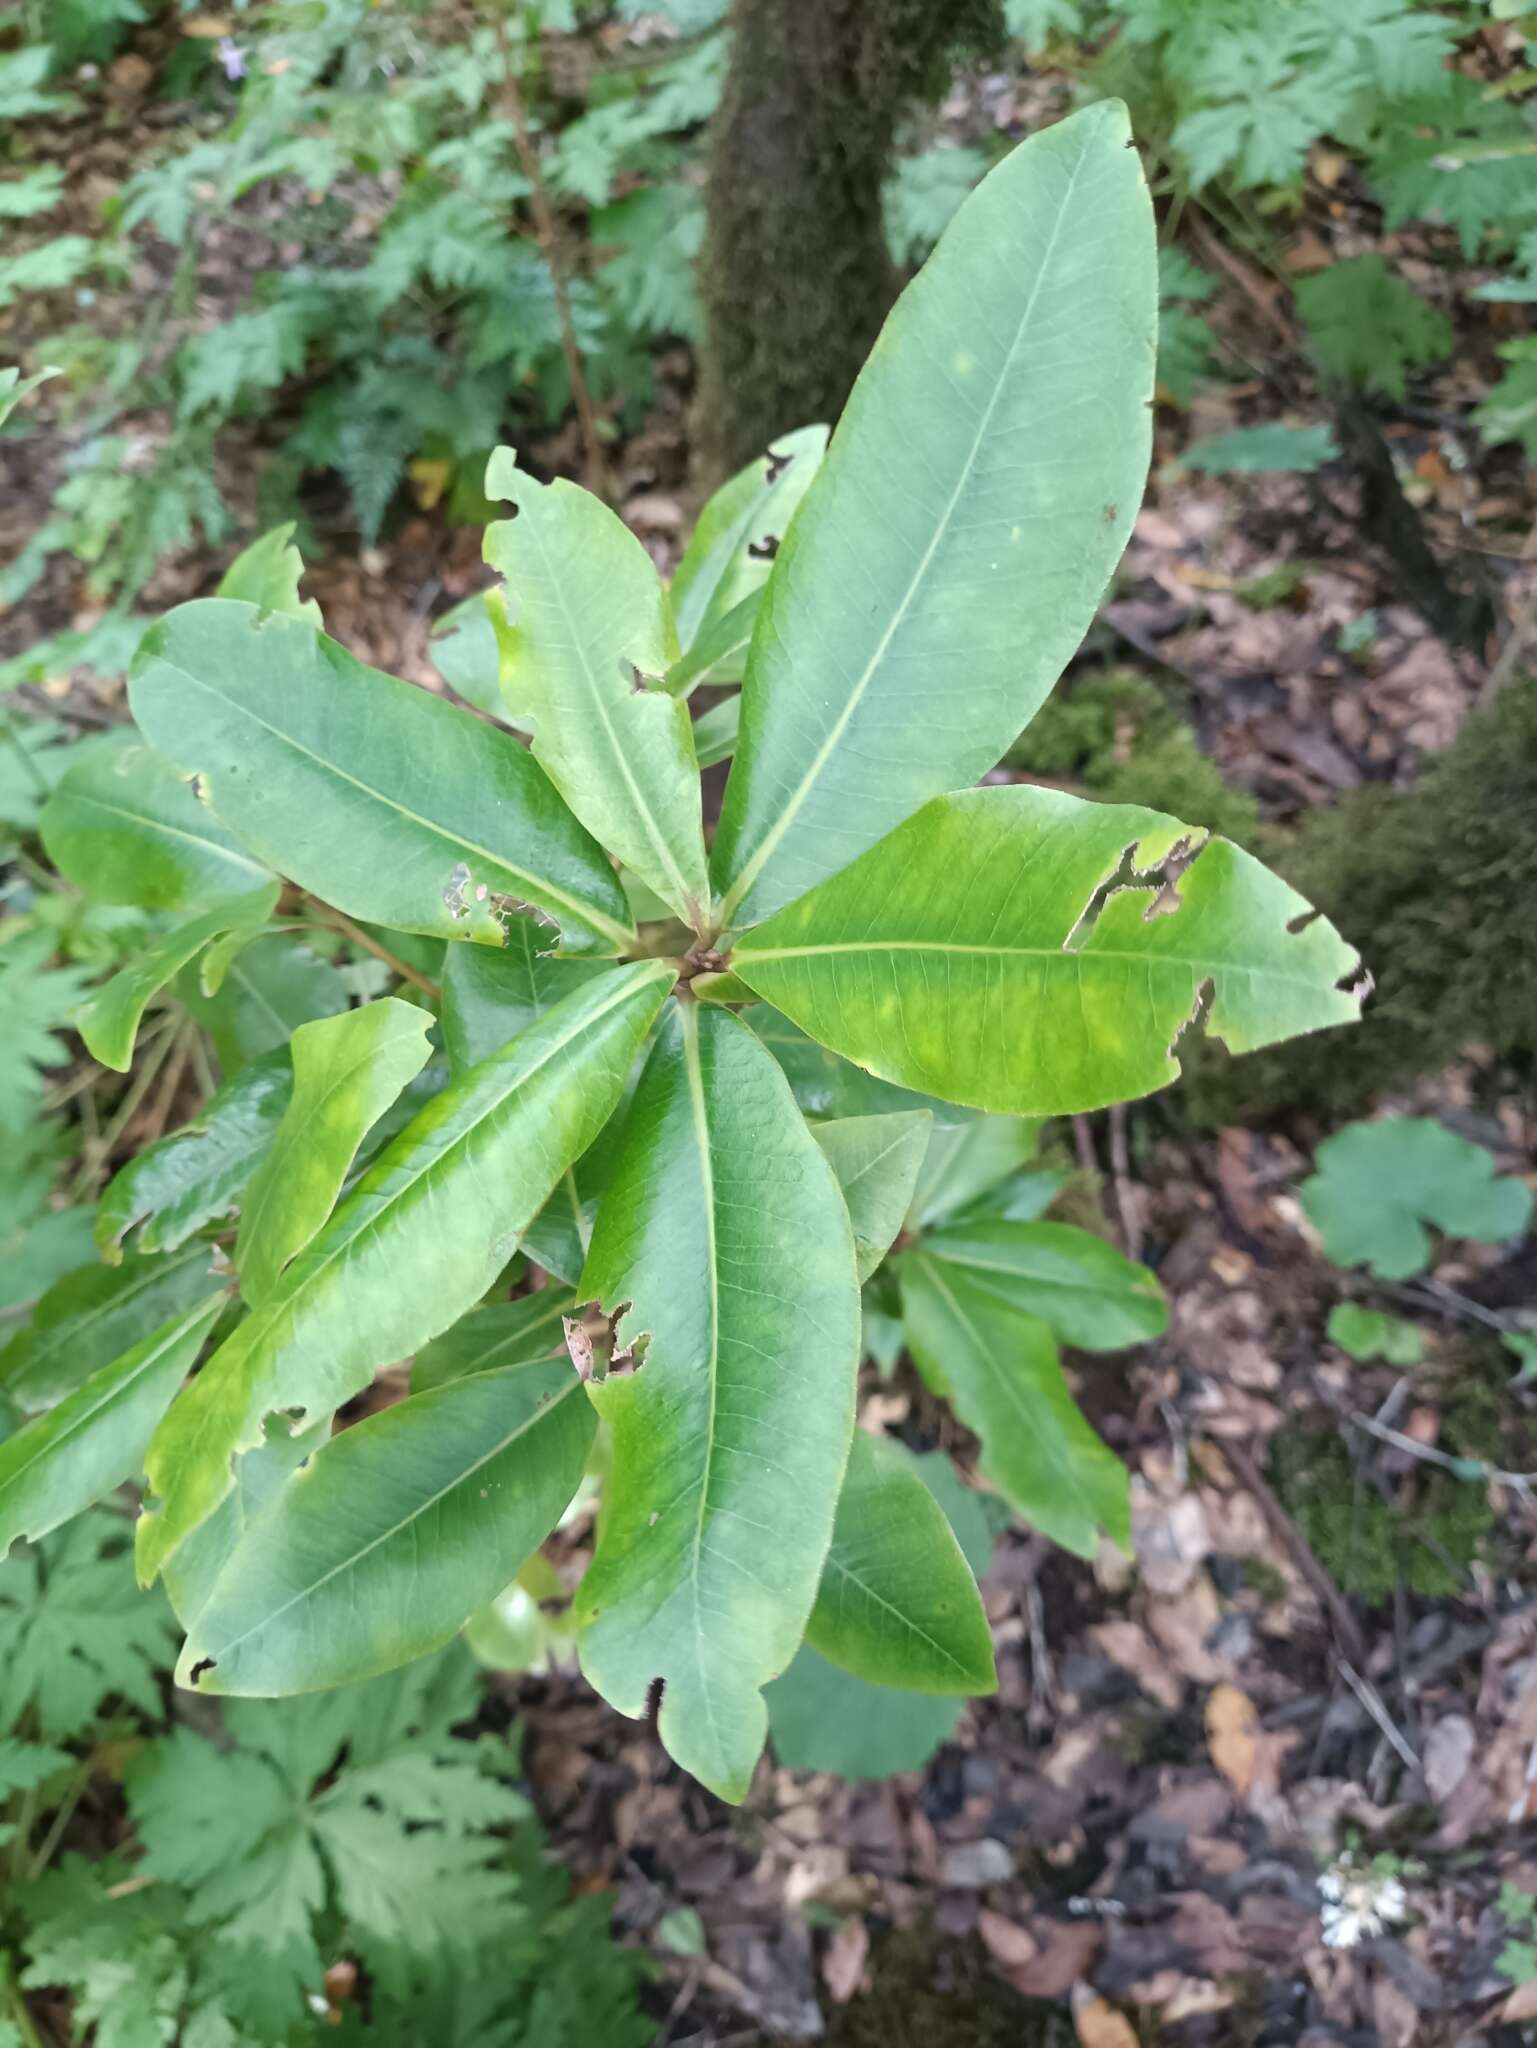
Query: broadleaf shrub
[{"x": 869, "y": 939}]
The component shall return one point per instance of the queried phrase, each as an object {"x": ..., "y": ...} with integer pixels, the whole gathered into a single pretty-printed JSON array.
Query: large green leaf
[
  {"x": 953, "y": 547},
  {"x": 591, "y": 638},
  {"x": 1001, "y": 1371},
  {"x": 91, "y": 1317},
  {"x": 725, "y": 1241},
  {"x": 490, "y": 995},
  {"x": 964, "y": 954},
  {"x": 898, "y": 1604},
  {"x": 382, "y": 799},
  {"x": 347, "y": 1070},
  {"x": 502, "y": 1333},
  {"x": 124, "y": 827},
  {"x": 824, "y": 1719},
  {"x": 876, "y": 1159},
  {"x": 1090, "y": 1294},
  {"x": 393, "y": 1534},
  {"x": 739, "y": 532},
  {"x": 827, "y": 1086},
  {"x": 109, "y": 1022},
  {"x": 94, "y": 1440},
  {"x": 198, "y": 1174},
  {"x": 265, "y": 992},
  {"x": 417, "y": 1242}
]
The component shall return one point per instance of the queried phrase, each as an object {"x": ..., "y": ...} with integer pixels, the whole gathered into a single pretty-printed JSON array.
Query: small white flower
[{"x": 1359, "y": 1903}]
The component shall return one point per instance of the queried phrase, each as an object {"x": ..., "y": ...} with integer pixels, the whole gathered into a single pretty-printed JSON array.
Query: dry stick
[
  {"x": 1302, "y": 1551},
  {"x": 1371, "y": 1699},
  {"x": 1120, "y": 1174},
  {"x": 549, "y": 248},
  {"x": 342, "y": 923},
  {"x": 1428, "y": 1454}
]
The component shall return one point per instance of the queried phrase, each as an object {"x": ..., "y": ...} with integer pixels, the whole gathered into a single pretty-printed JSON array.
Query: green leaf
[
  {"x": 490, "y": 996},
  {"x": 963, "y": 954},
  {"x": 1368, "y": 327},
  {"x": 347, "y": 1070},
  {"x": 1367, "y": 1333},
  {"x": 125, "y": 828},
  {"x": 109, "y": 1022},
  {"x": 197, "y": 1175},
  {"x": 876, "y": 1159},
  {"x": 824, "y": 1719},
  {"x": 267, "y": 574},
  {"x": 65, "y": 1460},
  {"x": 718, "y": 655},
  {"x": 725, "y": 1241},
  {"x": 1378, "y": 1184},
  {"x": 898, "y": 1604},
  {"x": 1000, "y": 1370},
  {"x": 715, "y": 732},
  {"x": 581, "y": 661},
  {"x": 417, "y": 1242},
  {"x": 384, "y": 800},
  {"x": 264, "y": 994},
  {"x": 955, "y": 543},
  {"x": 826, "y": 1086},
  {"x": 502, "y": 1333},
  {"x": 191, "y": 1573},
  {"x": 91, "y": 1317},
  {"x": 1090, "y": 1294},
  {"x": 1273, "y": 449},
  {"x": 966, "y": 1160},
  {"x": 394, "y": 1533},
  {"x": 464, "y": 652},
  {"x": 739, "y": 532}
]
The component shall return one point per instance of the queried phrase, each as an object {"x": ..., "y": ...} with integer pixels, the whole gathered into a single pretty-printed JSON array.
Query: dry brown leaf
[
  {"x": 843, "y": 1962},
  {"x": 1232, "y": 1736},
  {"x": 1010, "y": 1945},
  {"x": 1098, "y": 2024}
]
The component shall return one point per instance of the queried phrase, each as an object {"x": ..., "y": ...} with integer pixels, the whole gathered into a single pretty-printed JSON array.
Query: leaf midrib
[
  {"x": 744, "y": 956},
  {"x": 767, "y": 846},
  {"x": 88, "y": 799},
  {"x": 586, "y": 913},
  {"x": 904, "y": 1622}
]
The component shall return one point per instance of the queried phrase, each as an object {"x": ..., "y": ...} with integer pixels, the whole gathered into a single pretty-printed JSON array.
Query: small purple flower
[{"x": 232, "y": 57}]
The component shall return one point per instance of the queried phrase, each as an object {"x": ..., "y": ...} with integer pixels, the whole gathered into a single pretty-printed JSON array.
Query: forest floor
[{"x": 1324, "y": 1654}]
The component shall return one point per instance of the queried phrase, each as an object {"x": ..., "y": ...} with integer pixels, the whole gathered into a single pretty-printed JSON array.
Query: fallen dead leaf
[
  {"x": 1232, "y": 1736},
  {"x": 1010, "y": 1945},
  {"x": 1097, "y": 2023},
  {"x": 843, "y": 1962}
]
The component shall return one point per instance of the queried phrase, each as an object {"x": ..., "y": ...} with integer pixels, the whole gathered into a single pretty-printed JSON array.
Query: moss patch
[{"x": 933, "y": 1993}]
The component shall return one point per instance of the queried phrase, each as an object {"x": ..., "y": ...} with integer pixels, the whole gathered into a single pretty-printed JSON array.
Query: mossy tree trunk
[{"x": 795, "y": 276}]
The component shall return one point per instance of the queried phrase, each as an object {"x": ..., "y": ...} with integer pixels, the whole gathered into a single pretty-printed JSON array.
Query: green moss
[
  {"x": 1424, "y": 1540},
  {"x": 1435, "y": 885},
  {"x": 1116, "y": 735}
]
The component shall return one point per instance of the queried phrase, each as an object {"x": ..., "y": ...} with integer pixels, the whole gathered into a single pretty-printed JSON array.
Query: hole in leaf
[
  {"x": 203, "y": 1664},
  {"x": 764, "y": 550}
]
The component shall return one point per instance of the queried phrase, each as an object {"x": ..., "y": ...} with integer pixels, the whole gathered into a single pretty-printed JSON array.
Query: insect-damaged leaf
[
  {"x": 501, "y": 1333},
  {"x": 957, "y": 539},
  {"x": 963, "y": 955},
  {"x": 394, "y": 1533},
  {"x": 347, "y": 1070},
  {"x": 61, "y": 1462},
  {"x": 999, "y": 1369},
  {"x": 738, "y": 534},
  {"x": 124, "y": 827},
  {"x": 382, "y": 799},
  {"x": 898, "y": 1604},
  {"x": 591, "y": 639},
  {"x": 417, "y": 1242},
  {"x": 726, "y": 1234},
  {"x": 267, "y": 574}
]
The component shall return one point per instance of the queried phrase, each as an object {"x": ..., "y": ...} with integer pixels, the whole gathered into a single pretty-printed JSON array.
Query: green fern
[{"x": 1368, "y": 327}]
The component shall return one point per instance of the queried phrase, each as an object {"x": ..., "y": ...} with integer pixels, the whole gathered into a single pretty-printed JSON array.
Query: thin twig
[
  {"x": 1371, "y": 1699},
  {"x": 165, "y": 1101},
  {"x": 97, "y": 1150},
  {"x": 1305, "y": 1557},
  {"x": 547, "y": 236},
  {"x": 1435, "y": 1294},
  {"x": 61, "y": 1821},
  {"x": 1083, "y": 1145},
  {"x": 1126, "y": 1196},
  {"x": 1430, "y": 1454},
  {"x": 342, "y": 923}
]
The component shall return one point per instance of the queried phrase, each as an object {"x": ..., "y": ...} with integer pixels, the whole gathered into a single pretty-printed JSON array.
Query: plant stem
[
  {"x": 95, "y": 1153},
  {"x": 16, "y": 2005},
  {"x": 547, "y": 236},
  {"x": 339, "y": 921},
  {"x": 61, "y": 1821}
]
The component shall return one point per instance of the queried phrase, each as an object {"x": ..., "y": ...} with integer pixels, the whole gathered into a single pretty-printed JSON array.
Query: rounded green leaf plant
[{"x": 704, "y": 1088}]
